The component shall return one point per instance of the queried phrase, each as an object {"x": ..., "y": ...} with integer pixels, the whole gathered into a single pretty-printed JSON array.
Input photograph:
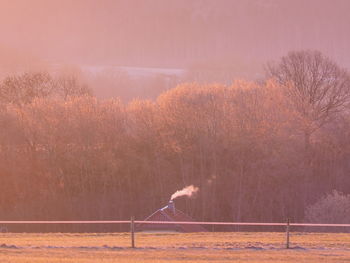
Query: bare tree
[
  {"x": 22, "y": 89},
  {"x": 318, "y": 89},
  {"x": 316, "y": 86},
  {"x": 69, "y": 85}
]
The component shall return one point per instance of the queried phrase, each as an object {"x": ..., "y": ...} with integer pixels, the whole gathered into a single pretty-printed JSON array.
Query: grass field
[{"x": 172, "y": 247}]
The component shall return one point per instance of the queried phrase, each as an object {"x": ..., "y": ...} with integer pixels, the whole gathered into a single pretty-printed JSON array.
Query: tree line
[{"x": 261, "y": 151}]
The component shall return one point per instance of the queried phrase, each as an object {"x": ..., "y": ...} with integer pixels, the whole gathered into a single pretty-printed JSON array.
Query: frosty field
[{"x": 168, "y": 247}]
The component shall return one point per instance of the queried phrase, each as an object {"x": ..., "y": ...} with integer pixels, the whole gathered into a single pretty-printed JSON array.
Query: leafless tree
[
  {"x": 69, "y": 85},
  {"x": 22, "y": 89},
  {"x": 316, "y": 86}
]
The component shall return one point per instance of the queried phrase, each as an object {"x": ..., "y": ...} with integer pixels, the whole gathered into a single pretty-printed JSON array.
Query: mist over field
[
  {"x": 109, "y": 107},
  {"x": 213, "y": 41}
]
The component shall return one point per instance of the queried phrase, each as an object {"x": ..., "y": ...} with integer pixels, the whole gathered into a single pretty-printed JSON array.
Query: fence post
[
  {"x": 132, "y": 232},
  {"x": 287, "y": 233}
]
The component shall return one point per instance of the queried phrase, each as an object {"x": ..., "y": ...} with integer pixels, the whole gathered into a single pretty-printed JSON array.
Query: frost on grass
[
  {"x": 169, "y": 248},
  {"x": 9, "y": 246}
]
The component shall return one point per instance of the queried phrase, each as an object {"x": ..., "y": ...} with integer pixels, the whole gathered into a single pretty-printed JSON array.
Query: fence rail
[
  {"x": 171, "y": 222},
  {"x": 132, "y": 223}
]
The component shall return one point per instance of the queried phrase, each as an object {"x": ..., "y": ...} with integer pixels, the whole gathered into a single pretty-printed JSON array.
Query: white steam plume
[{"x": 188, "y": 191}]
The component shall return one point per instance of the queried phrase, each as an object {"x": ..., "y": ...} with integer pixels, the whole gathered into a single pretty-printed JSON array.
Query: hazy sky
[{"x": 169, "y": 33}]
